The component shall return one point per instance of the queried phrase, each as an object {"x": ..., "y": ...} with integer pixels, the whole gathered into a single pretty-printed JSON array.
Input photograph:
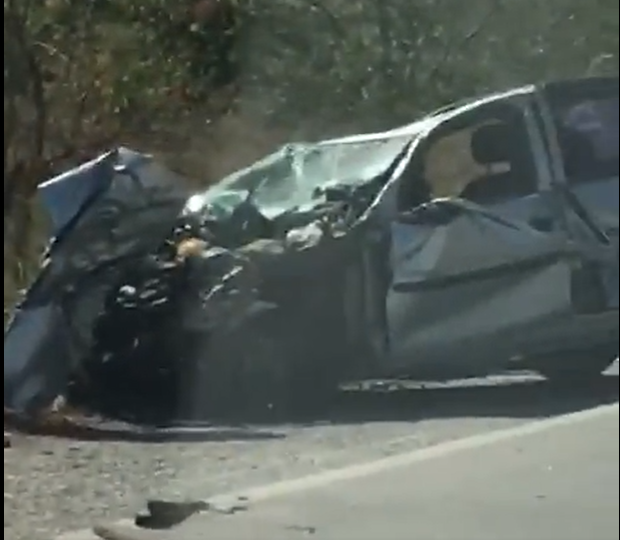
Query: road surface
[
  {"x": 53, "y": 486},
  {"x": 547, "y": 480}
]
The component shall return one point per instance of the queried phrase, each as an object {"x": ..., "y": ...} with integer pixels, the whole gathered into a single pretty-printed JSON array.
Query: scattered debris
[
  {"x": 166, "y": 514},
  {"x": 303, "y": 529}
]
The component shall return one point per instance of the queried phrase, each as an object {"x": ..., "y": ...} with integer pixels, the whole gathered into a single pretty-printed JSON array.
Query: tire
[{"x": 578, "y": 368}]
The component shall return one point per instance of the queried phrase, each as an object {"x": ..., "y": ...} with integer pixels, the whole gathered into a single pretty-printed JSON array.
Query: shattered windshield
[{"x": 295, "y": 176}]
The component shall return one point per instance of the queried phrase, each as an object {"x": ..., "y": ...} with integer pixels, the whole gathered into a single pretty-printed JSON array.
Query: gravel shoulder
[{"x": 54, "y": 485}]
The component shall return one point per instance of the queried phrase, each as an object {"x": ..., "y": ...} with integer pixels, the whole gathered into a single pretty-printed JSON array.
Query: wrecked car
[{"x": 479, "y": 239}]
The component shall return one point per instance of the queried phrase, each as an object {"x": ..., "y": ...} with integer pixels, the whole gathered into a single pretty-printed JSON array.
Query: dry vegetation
[{"x": 212, "y": 84}]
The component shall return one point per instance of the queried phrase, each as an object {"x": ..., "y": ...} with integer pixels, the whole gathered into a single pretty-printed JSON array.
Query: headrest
[
  {"x": 578, "y": 152},
  {"x": 573, "y": 142},
  {"x": 492, "y": 143}
]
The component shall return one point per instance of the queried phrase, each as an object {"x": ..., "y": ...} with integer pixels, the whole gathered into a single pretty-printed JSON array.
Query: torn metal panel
[
  {"x": 103, "y": 212},
  {"x": 66, "y": 195},
  {"x": 36, "y": 350}
]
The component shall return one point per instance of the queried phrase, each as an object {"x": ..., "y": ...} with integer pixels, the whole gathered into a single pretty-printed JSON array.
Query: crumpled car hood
[{"x": 122, "y": 206}]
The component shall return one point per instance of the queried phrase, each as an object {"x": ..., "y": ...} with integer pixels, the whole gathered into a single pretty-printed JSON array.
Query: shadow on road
[
  {"x": 508, "y": 397},
  {"x": 82, "y": 428},
  {"x": 530, "y": 399}
]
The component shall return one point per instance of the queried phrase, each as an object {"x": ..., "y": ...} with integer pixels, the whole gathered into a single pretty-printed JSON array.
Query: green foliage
[
  {"x": 82, "y": 75},
  {"x": 120, "y": 65},
  {"x": 384, "y": 62}
]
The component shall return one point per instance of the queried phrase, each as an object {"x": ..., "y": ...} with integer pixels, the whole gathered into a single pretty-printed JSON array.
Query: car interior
[{"x": 486, "y": 160}]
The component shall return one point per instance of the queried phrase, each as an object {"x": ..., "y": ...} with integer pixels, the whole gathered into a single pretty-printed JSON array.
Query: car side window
[
  {"x": 588, "y": 138},
  {"x": 487, "y": 162}
]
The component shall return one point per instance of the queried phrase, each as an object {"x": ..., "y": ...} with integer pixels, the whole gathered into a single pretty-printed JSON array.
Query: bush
[{"x": 211, "y": 84}]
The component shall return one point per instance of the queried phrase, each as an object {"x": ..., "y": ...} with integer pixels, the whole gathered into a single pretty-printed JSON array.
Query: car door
[
  {"x": 582, "y": 127},
  {"x": 474, "y": 273},
  {"x": 581, "y": 122}
]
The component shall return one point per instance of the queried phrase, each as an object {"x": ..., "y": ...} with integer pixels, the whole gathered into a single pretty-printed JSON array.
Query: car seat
[
  {"x": 493, "y": 144},
  {"x": 578, "y": 153}
]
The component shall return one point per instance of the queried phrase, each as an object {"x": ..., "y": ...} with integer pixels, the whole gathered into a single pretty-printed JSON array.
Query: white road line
[
  {"x": 473, "y": 442},
  {"x": 314, "y": 481}
]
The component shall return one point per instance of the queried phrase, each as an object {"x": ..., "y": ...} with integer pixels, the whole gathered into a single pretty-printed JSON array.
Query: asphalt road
[
  {"x": 549, "y": 480},
  {"x": 53, "y": 486}
]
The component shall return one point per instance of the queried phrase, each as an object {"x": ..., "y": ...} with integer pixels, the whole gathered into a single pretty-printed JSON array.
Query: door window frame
[
  {"x": 523, "y": 104},
  {"x": 573, "y": 90}
]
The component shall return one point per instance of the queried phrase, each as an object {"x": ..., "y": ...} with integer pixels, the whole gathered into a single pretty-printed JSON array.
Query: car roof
[
  {"x": 456, "y": 108},
  {"x": 433, "y": 118}
]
